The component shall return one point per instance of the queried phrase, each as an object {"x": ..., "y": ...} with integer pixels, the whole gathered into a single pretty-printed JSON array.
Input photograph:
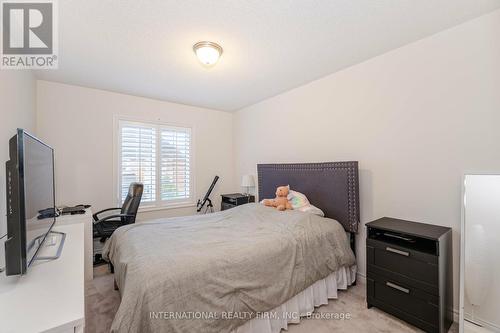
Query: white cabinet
[
  {"x": 51, "y": 296},
  {"x": 87, "y": 220}
]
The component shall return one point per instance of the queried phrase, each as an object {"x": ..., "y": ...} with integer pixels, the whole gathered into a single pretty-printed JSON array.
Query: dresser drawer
[
  {"x": 432, "y": 289},
  {"x": 414, "y": 265},
  {"x": 420, "y": 306},
  {"x": 225, "y": 206},
  {"x": 235, "y": 199},
  {"x": 231, "y": 201}
]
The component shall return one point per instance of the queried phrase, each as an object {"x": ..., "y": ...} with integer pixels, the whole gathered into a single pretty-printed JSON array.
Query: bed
[{"x": 236, "y": 270}]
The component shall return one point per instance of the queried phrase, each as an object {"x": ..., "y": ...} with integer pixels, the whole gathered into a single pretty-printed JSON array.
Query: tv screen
[
  {"x": 30, "y": 200},
  {"x": 38, "y": 193}
]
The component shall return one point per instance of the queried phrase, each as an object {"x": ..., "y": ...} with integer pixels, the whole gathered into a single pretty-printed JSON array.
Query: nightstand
[
  {"x": 235, "y": 199},
  {"x": 409, "y": 272}
]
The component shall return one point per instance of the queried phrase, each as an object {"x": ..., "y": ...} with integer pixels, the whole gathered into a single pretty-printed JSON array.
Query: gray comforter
[{"x": 207, "y": 273}]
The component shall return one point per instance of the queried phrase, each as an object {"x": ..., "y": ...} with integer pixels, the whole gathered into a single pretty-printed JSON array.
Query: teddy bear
[{"x": 281, "y": 201}]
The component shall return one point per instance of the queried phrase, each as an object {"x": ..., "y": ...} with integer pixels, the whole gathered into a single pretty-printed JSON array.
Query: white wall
[
  {"x": 78, "y": 123},
  {"x": 416, "y": 118},
  {"x": 17, "y": 110}
]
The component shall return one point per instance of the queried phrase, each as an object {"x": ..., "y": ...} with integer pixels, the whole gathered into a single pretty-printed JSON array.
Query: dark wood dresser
[
  {"x": 409, "y": 272},
  {"x": 235, "y": 199}
]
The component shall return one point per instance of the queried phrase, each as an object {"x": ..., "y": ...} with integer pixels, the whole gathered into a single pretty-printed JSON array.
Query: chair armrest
[
  {"x": 96, "y": 215},
  {"x": 110, "y": 217}
]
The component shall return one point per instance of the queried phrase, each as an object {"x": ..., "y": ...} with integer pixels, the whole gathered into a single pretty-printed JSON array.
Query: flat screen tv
[{"x": 30, "y": 200}]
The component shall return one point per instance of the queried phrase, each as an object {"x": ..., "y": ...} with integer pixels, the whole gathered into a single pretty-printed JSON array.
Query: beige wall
[
  {"x": 78, "y": 123},
  {"x": 17, "y": 110},
  {"x": 416, "y": 119}
]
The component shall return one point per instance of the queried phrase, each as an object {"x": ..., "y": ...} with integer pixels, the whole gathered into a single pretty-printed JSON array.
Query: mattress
[{"x": 215, "y": 272}]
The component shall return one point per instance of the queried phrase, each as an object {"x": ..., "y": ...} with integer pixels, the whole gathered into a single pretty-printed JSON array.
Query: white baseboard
[
  {"x": 484, "y": 323},
  {"x": 360, "y": 278},
  {"x": 456, "y": 316}
]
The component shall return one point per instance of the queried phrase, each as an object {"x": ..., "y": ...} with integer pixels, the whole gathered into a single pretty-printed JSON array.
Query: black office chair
[{"x": 105, "y": 224}]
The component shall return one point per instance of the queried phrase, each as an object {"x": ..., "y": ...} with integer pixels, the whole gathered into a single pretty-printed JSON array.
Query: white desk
[
  {"x": 51, "y": 296},
  {"x": 87, "y": 221}
]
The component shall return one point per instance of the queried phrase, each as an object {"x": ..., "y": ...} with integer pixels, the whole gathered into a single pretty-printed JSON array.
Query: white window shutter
[
  {"x": 175, "y": 161},
  {"x": 138, "y": 159},
  {"x": 158, "y": 156}
]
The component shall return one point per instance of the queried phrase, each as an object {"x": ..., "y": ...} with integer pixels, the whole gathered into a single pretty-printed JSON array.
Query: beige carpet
[{"x": 102, "y": 302}]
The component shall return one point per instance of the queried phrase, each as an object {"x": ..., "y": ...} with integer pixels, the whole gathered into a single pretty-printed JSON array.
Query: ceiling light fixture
[{"x": 207, "y": 52}]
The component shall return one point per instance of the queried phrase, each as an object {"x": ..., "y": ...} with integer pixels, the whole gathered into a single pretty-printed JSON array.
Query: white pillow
[
  {"x": 313, "y": 210},
  {"x": 297, "y": 199},
  {"x": 300, "y": 202}
]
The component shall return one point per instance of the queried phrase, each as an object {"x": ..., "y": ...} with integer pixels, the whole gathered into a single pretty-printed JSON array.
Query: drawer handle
[
  {"x": 403, "y": 253},
  {"x": 395, "y": 286}
]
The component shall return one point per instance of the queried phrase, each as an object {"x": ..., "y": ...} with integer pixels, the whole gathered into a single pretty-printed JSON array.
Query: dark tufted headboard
[{"x": 332, "y": 186}]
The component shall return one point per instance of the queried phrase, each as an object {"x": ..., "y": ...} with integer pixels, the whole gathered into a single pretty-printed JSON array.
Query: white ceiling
[{"x": 144, "y": 47}]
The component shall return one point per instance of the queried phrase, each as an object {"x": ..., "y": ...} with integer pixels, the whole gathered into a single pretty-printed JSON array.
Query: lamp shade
[{"x": 247, "y": 181}]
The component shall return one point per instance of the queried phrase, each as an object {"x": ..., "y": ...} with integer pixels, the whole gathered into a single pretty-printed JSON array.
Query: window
[{"x": 159, "y": 156}]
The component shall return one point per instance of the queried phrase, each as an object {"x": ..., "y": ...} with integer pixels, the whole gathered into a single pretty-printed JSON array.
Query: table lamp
[{"x": 247, "y": 181}]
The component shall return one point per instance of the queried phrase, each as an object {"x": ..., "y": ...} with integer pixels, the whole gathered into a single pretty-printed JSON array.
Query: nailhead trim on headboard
[{"x": 349, "y": 168}]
